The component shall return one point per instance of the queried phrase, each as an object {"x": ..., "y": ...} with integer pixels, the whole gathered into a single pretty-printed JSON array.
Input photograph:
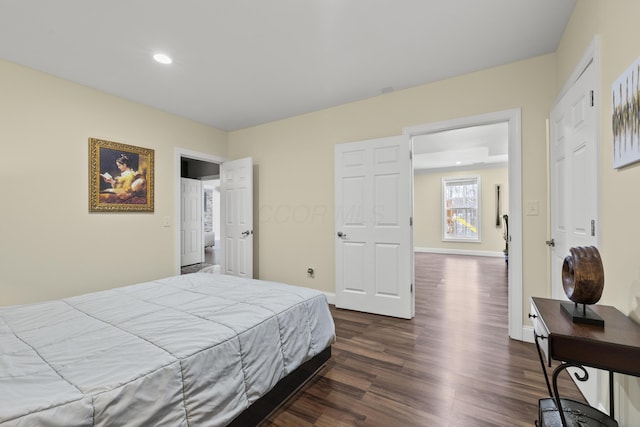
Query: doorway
[
  {"x": 206, "y": 169},
  {"x": 514, "y": 238},
  {"x": 200, "y": 216}
]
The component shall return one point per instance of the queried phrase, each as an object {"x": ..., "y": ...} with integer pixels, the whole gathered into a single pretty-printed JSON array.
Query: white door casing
[
  {"x": 373, "y": 240},
  {"x": 236, "y": 217},
  {"x": 191, "y": 245},
  {"x": 573, "y": 160}
]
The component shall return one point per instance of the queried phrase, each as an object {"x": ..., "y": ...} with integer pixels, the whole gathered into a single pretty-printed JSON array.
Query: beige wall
[
  {"x": 294, "y": 164},
  {"x": 616, "y": 25},
  {"x": 50, "y": 245},
  {"x": 427, "y": 210}
]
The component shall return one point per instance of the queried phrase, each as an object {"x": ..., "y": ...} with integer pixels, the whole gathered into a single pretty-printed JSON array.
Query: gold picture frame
[{"x": 121, "y": 177}]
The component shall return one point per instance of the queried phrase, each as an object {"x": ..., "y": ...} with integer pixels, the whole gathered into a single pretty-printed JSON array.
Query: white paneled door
[
  {"x": 573, "y": 163},
  {"x": 574, "y": 174},
  {"x": 373, "y": 235},
  {"x": 236, "y": 217},
  {"x": 192, "y": 249}
]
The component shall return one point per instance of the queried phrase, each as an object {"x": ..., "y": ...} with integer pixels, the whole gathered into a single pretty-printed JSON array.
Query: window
[{"x": 461, "y": 209}]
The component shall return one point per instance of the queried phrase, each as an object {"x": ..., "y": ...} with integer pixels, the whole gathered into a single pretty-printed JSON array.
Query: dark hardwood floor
[{"x": 452, "y": 365}]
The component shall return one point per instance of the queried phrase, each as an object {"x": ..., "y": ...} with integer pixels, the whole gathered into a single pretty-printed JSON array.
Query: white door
[
  {"x": 574, "y": 185},
  {"x": 373, "y": 240},
  {"x": 236, "y": 217},
  {"x": 192, "y": 248},
  {"x": 574, "y": 174}
]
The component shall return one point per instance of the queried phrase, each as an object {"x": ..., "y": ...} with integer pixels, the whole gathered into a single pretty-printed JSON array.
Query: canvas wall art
[{"x": 625, "y": 121}]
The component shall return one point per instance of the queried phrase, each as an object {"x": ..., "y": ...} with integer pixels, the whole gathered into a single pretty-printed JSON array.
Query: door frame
[
  {"x": 180, "y": 153},
  {"x": 591, "y": 58},
  {"x": 513, "y": 118}
]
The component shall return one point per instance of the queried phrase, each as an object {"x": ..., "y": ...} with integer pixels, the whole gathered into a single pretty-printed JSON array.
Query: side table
[{"x": 614, "y": 347}]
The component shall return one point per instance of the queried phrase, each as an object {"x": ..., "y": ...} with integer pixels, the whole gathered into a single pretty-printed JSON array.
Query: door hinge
[
  {"x": 410, "y": 155},
  {"x": 593, "y": 227},
  {"x": 412, "y": 288},
  {"x": 410, "y": 221},
  {"x": 593, "y": 101}
]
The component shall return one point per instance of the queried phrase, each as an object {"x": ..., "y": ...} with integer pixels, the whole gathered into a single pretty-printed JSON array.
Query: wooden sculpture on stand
[{"x": 583, "y": 282}]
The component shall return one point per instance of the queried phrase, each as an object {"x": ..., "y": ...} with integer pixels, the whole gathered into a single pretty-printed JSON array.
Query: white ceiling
[
  {"x": 474, "y": 147},
  {"x": 239, "y": 63},
  {"x": 466, "y": 148}
]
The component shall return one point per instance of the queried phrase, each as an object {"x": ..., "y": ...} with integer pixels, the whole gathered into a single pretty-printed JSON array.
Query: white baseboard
[
  {"x": 527, "y": 334},
  {"x": 331, "y": 297},
  {"x": 495, "y": 254}
]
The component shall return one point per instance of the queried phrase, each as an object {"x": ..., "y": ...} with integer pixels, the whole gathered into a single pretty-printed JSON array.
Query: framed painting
[{"x": 120, "y": 177}]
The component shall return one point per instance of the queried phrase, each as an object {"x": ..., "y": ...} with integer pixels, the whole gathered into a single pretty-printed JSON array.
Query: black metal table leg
[
  {"x": 611, "y": 410},
  {"x": 544, "y": 368}
]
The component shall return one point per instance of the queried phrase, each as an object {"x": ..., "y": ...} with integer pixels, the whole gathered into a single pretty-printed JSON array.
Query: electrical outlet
[{"x": 310, "y": 272}]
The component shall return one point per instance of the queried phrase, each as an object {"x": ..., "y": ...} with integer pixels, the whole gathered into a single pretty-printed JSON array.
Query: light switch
[
  {"x": 166, "y": 221},
  {"x": 532, "y": 207}
]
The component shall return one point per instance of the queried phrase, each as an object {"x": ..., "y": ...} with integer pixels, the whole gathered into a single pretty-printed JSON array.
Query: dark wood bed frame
[{"x": 286, "y": 387}]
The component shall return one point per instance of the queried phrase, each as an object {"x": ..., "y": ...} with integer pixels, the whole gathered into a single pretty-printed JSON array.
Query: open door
[
  {"x": 373, "y": 240},
  {"x": 574, "y": 174},
  {"x": 236, "y": 217},
  {"x": 192, "y": 249}
]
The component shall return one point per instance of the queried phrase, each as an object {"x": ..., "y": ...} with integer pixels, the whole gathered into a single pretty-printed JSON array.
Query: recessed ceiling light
[{"x": 162, "y": 58}]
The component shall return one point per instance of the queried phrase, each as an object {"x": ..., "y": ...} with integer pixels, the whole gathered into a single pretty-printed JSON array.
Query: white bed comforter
[{"x": 191, "y": 350}]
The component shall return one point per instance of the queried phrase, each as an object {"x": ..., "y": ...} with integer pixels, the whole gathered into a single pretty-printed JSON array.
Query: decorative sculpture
[{"x": 583, "y": 282}]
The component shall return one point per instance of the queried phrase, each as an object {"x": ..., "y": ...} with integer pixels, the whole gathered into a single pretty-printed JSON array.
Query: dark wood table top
[{"x": 614, "y": 347}]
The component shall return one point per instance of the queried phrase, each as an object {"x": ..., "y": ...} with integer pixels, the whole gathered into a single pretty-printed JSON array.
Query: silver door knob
[
  {"x": 551, "y": 243},
  {"x": 342, "y": 235},
  {"x": 246, "y": 233}
]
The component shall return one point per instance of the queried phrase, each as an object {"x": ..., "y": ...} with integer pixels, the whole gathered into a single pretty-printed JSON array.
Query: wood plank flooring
[{"x": 452, "y": 365}]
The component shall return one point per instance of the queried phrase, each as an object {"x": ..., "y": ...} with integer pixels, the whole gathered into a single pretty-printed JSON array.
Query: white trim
[
  {"x": 331, "y": 297},
  {"x": 179, "y": 153},
  {"x": 590, "y": 55},
  {"x": 512, "y": 116},
  {"x": 469, "y": 252},
  {"x": 527, "y": 334},
  {"x": 515, "y": 226}
]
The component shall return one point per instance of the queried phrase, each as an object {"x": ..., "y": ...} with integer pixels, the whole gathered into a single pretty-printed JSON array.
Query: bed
[{"x": 192, "y": 350}]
